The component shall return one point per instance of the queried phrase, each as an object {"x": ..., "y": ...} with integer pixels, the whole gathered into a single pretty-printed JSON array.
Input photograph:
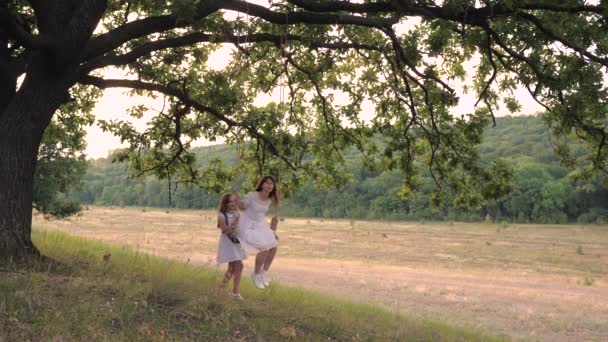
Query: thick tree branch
[
  {"x": 109, "y": 41},
  {"x": 410, "y": 8},
  {"x": 198, "y": 37},
  {"x": 347, "y": 6},
  {"x": 314, "y": 14},
  {"x": 77, "y": 33},
  {"x": 535, "y": 5},
  {"x": 8, "y": 77},
  {"x": 290, "y": 18},
  {"x": 140, "y": 28},
  {"x": 477, "y": 16},
  {"x": 21, "y": 36}
]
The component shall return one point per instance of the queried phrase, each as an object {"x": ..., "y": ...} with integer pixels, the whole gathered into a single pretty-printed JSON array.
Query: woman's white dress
[
  {"x": 254, "y": 229},
  {"x": 228, "y": 251}
]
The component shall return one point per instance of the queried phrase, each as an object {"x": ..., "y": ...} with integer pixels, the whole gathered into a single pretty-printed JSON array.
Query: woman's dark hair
[{"x": 273, "y": 194}]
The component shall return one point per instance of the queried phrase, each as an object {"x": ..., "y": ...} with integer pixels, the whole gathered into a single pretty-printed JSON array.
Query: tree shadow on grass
[{"x": 39, "y": 263}]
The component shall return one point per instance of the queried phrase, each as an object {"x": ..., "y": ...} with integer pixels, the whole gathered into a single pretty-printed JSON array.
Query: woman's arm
[
  {"x": 245, "y": 201},
  {"x": 274, "y": 223}
]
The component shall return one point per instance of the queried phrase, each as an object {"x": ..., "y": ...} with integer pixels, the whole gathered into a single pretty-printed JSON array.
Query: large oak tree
[{"x": 403, "y": 58}]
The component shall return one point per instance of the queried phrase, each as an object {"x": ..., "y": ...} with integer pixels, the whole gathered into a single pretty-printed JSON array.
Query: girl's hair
[
  {"x": 223, "y": 207},
  {"x": 273, "y": 194}
]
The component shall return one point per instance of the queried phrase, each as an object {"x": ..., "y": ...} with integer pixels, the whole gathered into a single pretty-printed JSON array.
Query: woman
[{"x": 255, "y": 233}]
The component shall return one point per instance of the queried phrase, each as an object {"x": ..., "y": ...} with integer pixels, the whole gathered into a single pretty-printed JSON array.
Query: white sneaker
[
  {"x": 237, "y": 296},
  {"x": 257, "y": 280},
  {"x": 265, "y": 279}
]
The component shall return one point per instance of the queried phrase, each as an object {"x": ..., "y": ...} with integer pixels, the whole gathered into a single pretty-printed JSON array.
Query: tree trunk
[
  {"x": 17, "y": 164},
  {"x": 22, "y": 124},
  {"x": 26, "y": 111}
]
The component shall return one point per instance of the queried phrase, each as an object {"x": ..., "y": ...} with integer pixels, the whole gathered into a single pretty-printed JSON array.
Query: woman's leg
[
  {"x": 260, "y": 260},
  {"x": 266, "y": 265},
  {"x": 269, "y": 258},
  {"x": 257, "y": 276}
]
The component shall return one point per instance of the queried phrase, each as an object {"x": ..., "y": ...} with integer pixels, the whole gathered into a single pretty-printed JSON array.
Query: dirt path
[{"x": 525, "y": 296}]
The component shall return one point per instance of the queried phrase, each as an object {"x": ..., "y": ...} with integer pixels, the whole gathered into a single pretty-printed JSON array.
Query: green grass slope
[{"x": 138, "y": 297}]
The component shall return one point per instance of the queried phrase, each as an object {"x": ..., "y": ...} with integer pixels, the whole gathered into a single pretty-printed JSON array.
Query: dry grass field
[{"x": 524, "y": 282}]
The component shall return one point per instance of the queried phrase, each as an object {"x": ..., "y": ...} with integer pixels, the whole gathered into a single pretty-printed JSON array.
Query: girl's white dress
[
  {"x": 254, "y": 229},
  {"x": 227, "y": 250}
]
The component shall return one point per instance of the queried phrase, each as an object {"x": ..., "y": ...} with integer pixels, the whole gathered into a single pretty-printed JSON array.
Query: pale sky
[{"x": 114, "y": 103}]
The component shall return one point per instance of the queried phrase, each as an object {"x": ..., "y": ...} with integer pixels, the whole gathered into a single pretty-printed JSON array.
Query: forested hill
[{"x": 543, "y": 191}]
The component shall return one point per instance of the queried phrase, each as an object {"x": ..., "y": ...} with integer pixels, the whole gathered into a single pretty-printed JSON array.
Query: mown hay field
[{"x": 524, "y": 282}]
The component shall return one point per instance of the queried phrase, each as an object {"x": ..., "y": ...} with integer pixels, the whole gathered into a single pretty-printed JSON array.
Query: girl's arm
[{"x": 221, "y": 224}]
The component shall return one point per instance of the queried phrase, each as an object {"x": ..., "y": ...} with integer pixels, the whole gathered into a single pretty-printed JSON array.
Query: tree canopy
[
  {"x": 61, "y": 159},
  {"x": 404, "y": 57}
]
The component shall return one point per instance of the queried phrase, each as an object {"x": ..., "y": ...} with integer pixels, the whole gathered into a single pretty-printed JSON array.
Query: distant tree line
[{"x": 543, "y": 190}]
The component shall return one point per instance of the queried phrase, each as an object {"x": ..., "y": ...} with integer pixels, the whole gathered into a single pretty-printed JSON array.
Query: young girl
[
  {"x": 229, "y": 247},
  {"x": 255, "y": 232}
]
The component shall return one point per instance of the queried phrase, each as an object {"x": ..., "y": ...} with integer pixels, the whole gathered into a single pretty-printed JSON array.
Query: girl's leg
[
  {"x": 238, "y": 270},
  {"x": 228, "y": 274}
]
